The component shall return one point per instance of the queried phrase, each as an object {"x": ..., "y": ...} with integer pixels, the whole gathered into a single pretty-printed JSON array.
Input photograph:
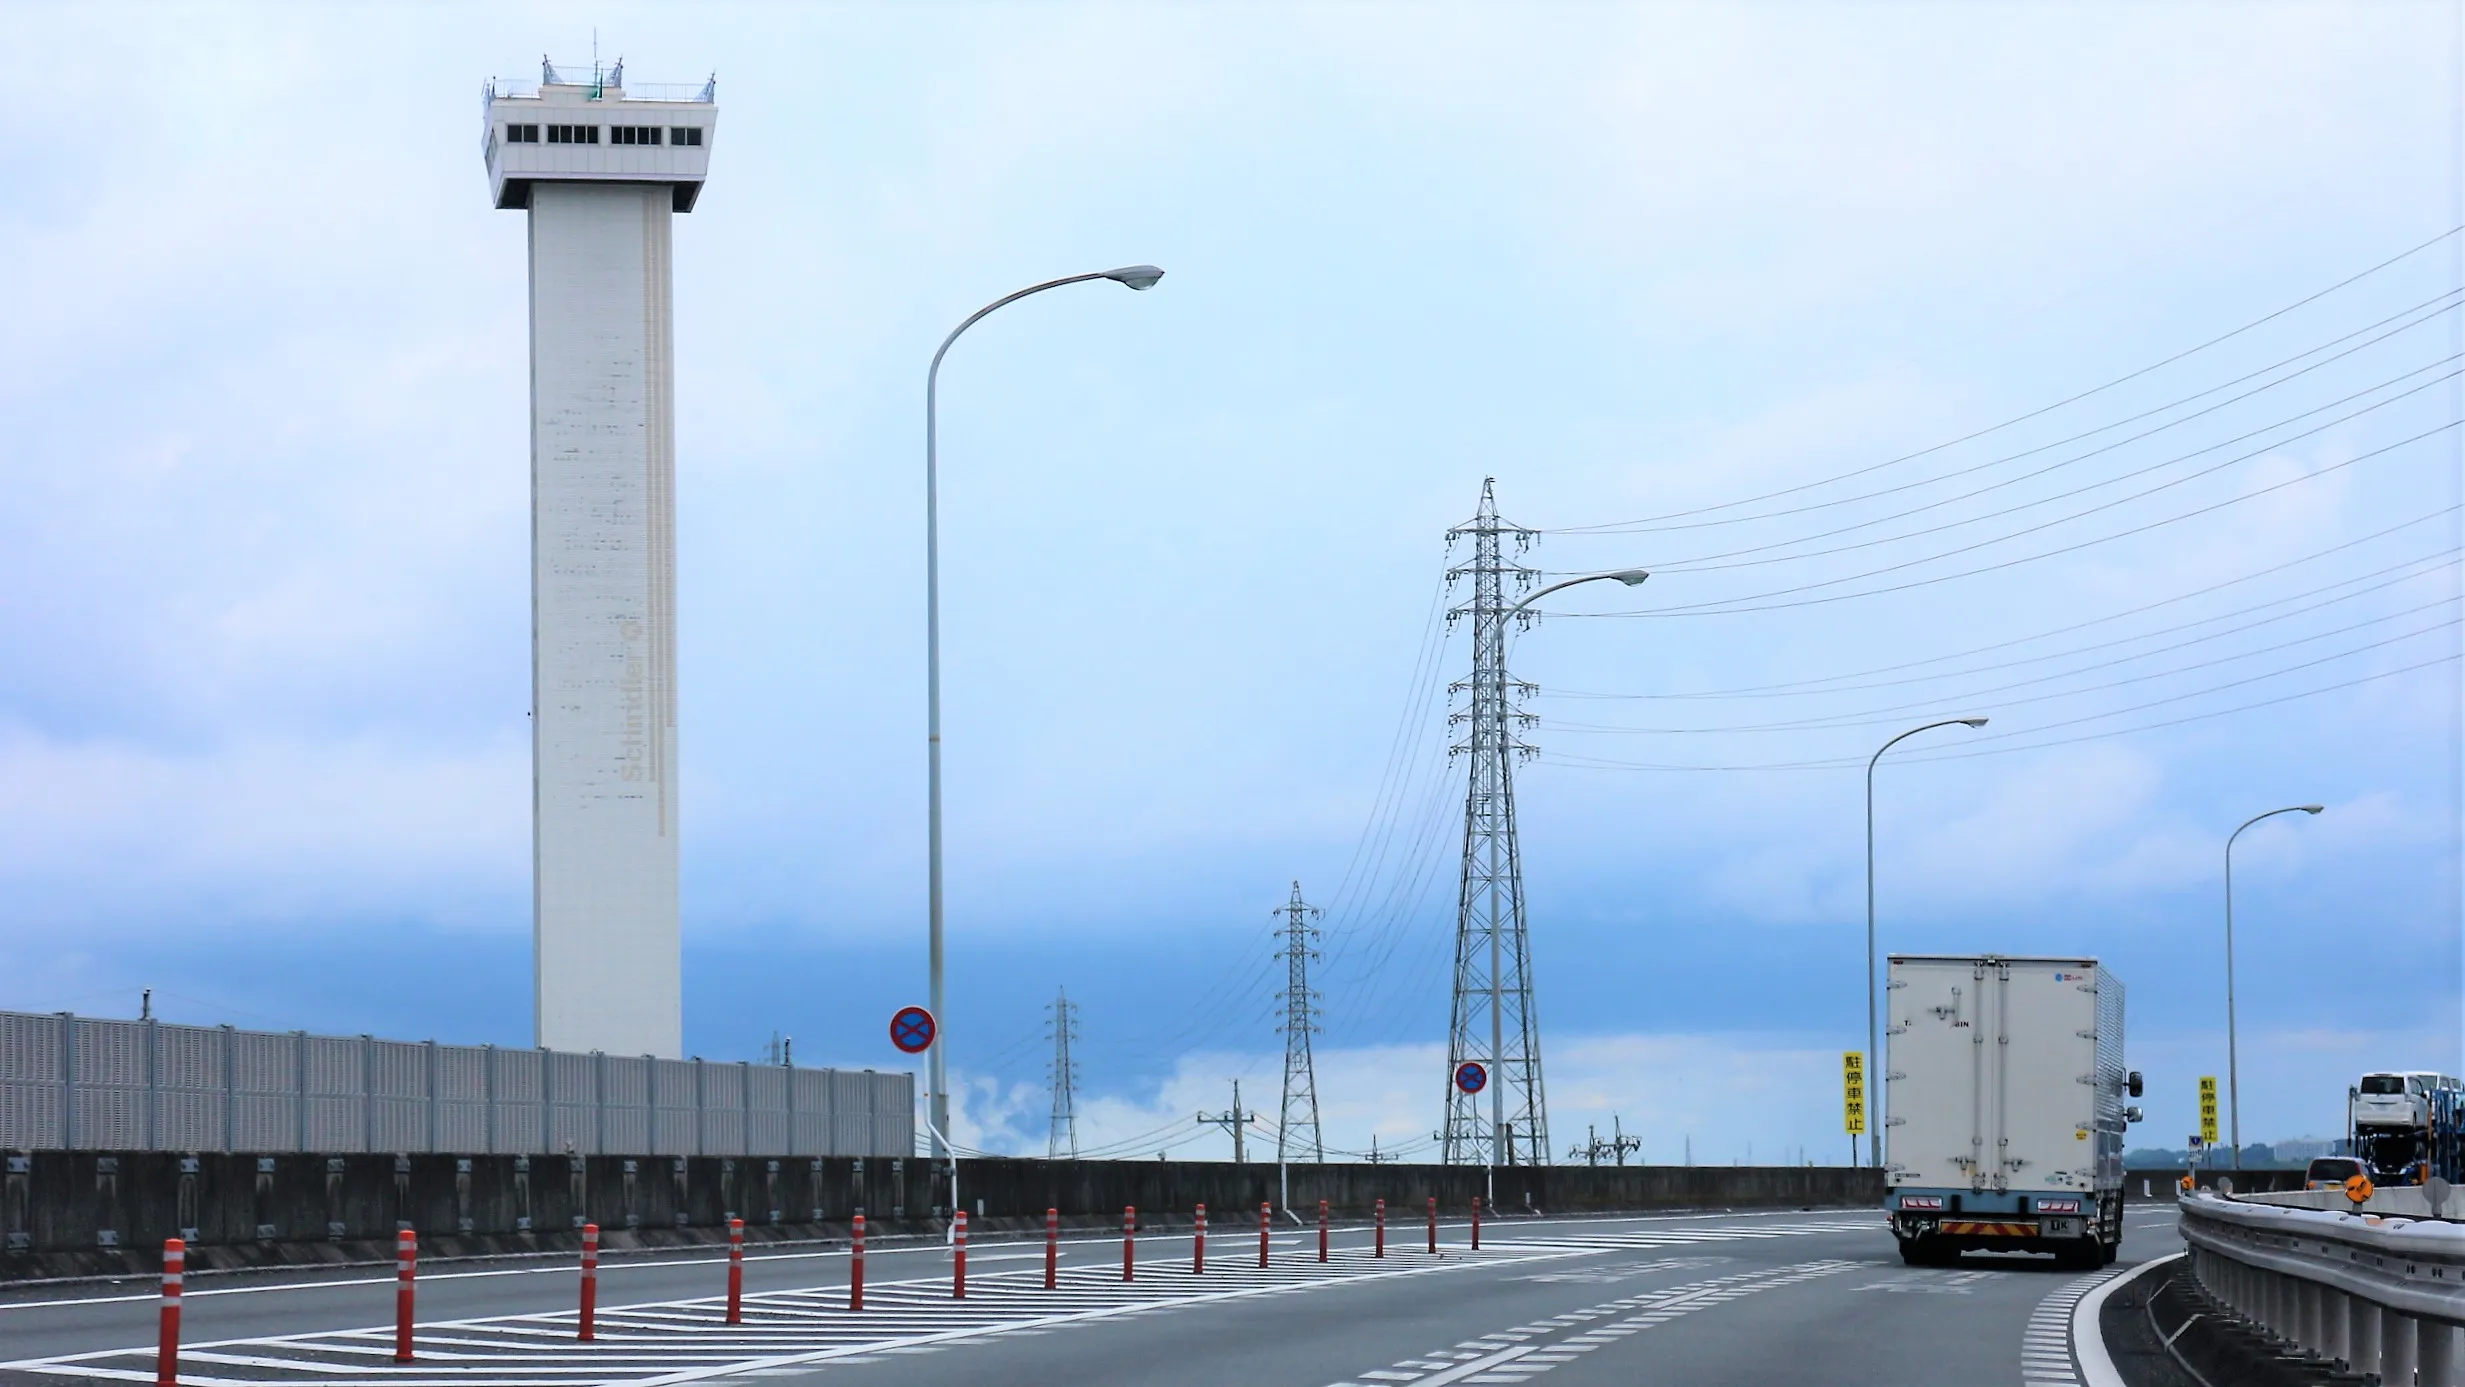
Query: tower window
[
  {"x": 686, "y": 135},
  {"x": 633, "y": 134},
  {"x": 573, "y": 134},
  {"x": 521, "y": 134}
]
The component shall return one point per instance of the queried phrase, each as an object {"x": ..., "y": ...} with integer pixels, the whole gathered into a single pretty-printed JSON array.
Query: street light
[
  {"x": 1874, "y": 1124},
  {"x": 1632, "y": 577},
  {"x": 937, "y": 1072},
  {"x": 2233, "y": 1069}
]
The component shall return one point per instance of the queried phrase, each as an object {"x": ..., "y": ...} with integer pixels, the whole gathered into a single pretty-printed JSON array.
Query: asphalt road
[{"x": 1798, "y": 1298}]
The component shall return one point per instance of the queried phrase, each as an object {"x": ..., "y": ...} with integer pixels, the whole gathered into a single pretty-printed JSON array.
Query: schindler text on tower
[{"x": 602, "y": 171}]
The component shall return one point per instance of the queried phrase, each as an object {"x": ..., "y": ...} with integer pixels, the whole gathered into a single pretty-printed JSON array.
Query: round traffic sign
[
  {"x": 1472, "y": 1076},
  {"x": 912, "y": 1030},
  {"x": 2358, "y": 1188}
]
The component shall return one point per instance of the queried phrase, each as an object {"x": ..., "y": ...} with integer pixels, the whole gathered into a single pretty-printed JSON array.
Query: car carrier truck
[{"x": 2004, "y": 1107}]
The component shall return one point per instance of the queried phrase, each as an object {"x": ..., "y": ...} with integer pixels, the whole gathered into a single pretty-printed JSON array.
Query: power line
[
  {"x": 1738, "y": 558},
  {"x": 1831, "y": 684},
  {"x": 2432, "y": 315},
  {"x": 2261, "y": 321},
  {"x": 1760, "y": 603},
  {"x": 1873, "y": 716},
  {"x": 1852, "y": 762}
]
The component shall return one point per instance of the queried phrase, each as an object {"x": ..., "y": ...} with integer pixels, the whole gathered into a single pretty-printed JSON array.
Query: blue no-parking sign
[
  {"x": 1472, "y": 1076},
  {"x": 912, "y": 1030}
]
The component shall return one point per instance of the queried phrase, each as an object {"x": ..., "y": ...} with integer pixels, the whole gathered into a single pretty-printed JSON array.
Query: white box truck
[{"x": 2003, "y": 1107}]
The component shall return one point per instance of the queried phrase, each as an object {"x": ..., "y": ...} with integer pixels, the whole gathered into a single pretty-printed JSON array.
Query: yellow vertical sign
[
  {"x": 1853, "y": 1091},
  {"x": 2208, "y": 1109}
]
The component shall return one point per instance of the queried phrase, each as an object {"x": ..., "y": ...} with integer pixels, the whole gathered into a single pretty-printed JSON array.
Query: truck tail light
[
  {"x": 2058, "y": 1206},
  {"x": 1921, "y": 1201}
]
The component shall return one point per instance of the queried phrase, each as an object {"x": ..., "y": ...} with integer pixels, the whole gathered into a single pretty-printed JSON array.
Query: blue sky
[{"x": 263, "y": 605}]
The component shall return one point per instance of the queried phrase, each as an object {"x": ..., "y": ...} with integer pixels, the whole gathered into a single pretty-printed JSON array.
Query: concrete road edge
[{"x": 2088, "y": 1342}]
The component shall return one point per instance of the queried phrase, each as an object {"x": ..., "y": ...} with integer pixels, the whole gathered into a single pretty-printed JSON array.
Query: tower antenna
[
  {"x": 1492, "y": 1019},
  {"x": 1063, "y": 1077},
  {"x": 1297, "y": 1133}
]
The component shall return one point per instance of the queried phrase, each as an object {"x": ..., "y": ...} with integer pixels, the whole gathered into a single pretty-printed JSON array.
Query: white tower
[{"x": 601, "y": 171}]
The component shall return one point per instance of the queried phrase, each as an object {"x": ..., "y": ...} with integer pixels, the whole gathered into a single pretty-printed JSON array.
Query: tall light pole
[
  {"x": 937, "y": 1073},
  {"x": 2233, "y": 1059},
  {"x": 1874, "y": 1070},
  {"x": 1632, "y": 577}
]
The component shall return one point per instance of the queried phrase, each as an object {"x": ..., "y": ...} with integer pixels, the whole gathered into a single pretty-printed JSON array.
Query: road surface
[{"x": 1809, "y": 1298}]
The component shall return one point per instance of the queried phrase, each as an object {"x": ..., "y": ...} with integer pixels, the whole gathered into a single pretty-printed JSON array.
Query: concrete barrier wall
[{"x": 89, "y": 1212}]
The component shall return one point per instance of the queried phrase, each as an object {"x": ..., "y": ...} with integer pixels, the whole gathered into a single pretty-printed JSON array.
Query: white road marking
[{"x": 1637, "y": 1313}]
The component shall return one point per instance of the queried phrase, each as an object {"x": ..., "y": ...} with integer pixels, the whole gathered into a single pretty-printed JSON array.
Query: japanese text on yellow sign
[
  {"x": 1853, "y": 1091},
  {"x": 2208, "y": 1108}
]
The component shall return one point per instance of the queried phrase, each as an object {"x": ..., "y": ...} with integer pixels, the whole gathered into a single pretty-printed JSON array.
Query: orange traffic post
[
  {"x": 1322, "y": 1230},
  {"x": 1129, "y": 1241},
  {"x": 1433, "y": 1225},
  {"x": 1198, "y": 1248},
  {"x": 1052, "y": 1248},
  {"x": 1476, "y": 1223},
  {"x": 855, "y": 1266},
  {"x": 1266, "y": 1218},
  {"x": 1382, "y": 1228},
  {"x": 406, "y": 1264},
  {"x": 958, "y": 1256},
  {"x": 587, "y": 1327},
  {"x": 175, "y": 1271},
  {"x": 736, "y": 1271}
]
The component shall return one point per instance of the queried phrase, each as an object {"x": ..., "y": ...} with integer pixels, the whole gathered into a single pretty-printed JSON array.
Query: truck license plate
[{"x": 2058, "y": 1227}]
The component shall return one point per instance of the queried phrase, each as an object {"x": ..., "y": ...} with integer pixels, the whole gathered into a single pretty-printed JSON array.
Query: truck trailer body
[{"x": 2004, "y": 1092}]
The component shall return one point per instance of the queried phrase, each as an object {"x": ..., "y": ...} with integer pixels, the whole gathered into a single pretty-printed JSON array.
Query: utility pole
[
  {"x": 1296, "y": 1136},
  {"x": 1492, "y": 1018},
  {"x": 1619, "y": 1142},
  {"x": 1233, "y": 1121},
  {"x": 1063, "y": 1076},
  {"x": 1375, "y": 1156}
]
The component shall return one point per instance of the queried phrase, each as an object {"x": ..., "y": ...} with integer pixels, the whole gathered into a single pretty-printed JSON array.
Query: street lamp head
[
  {"x": 1136, "y": 276},
  {"x": 1972, "y": 722},
  {"x": 1632, "y": 577},
  {"x": 2311, "y": 808}
]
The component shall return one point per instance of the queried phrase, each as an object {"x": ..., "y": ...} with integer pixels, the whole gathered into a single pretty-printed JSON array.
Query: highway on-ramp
[{"x": 1800, "y": 1297}]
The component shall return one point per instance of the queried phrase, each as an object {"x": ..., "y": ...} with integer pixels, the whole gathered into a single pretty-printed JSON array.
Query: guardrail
[{"x": 2373, "y": 1294}]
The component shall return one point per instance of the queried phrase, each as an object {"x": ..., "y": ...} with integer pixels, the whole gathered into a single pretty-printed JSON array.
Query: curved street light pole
[
  {"x": 1876, "y": 1080},
  {"x": 937, "y": 1072},
  {"x": 2233, "y": 1058},
  {"x": 1632, "y": 577}
]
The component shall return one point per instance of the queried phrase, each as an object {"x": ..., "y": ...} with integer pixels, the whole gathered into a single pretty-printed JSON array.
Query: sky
[{"x": 2092, "y": 368}]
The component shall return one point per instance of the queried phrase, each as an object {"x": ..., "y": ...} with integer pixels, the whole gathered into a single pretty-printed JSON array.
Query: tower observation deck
[{"x": 602, "y": 170}]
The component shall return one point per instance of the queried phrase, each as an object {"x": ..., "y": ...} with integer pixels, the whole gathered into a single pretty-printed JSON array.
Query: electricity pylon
[
  {"x": 1296, "y": 1134},
  {"x": 1492, "y": 1019},
  {"x": 1064, "y": 1079}
]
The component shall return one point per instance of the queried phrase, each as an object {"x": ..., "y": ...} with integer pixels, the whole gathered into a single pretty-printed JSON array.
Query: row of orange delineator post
[{"x": 406, "y": 1268}]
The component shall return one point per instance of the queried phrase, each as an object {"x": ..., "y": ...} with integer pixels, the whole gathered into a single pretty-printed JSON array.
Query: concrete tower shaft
[{"x": 602, "y": 174}]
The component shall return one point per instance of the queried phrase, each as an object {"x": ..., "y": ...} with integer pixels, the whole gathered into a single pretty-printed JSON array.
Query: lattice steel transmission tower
[
  {"x": 1492, "y": 1019},
  {"x": 1297, "y": 1127},
  {"x": 1064, "y": 1079}
]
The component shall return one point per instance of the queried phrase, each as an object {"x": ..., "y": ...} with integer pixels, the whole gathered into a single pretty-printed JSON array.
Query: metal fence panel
[
  {"x": 110, "y": 1053},
  {"x": 462, "y": 1073},
  {"x": 30, "y": 1047},
  {"x": 102, "y": 1084},
  {"x": 265, "y": 1122},
  {"x": 30, "y": 1114},
  {"x": 398, "y": 1069}
]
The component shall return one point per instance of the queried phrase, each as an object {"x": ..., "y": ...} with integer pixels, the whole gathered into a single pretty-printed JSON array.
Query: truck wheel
[{"x": 2111, "y": 1251}]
